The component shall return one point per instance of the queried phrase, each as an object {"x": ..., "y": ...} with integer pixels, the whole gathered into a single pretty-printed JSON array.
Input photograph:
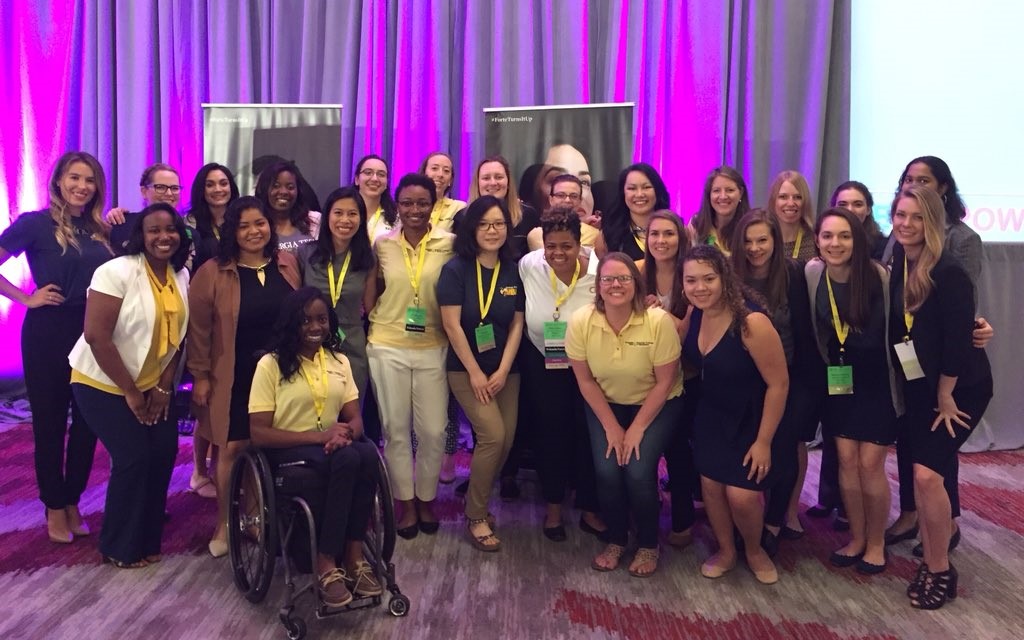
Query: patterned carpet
[{"x": 532, "y": 589}]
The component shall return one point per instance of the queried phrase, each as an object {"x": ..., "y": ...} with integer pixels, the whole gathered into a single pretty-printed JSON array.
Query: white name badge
[{"x": 908, "y": 360}]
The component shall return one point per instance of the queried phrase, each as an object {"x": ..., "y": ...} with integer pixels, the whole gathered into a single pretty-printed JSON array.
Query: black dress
[
  {"x": 866, "y": 415},
  {"x": 729, "y": 412},
  {"x": 258, "y": 307}
]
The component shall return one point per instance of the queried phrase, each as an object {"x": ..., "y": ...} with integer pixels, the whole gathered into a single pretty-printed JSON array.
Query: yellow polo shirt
[
  {"x": 292, "y": 400},
  {"x": 444, "y": 212},
  {"x": 623, "y": 364},
  {"x": 387, "y": 320},
  {"x": 588, "y": 235}
]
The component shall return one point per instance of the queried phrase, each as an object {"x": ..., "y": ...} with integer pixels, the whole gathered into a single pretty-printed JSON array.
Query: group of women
[{"x": 719, "y": 345}]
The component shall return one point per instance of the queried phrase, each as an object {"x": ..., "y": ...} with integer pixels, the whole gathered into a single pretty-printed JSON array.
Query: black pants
[
  {"x": 828, "y": 476},
  {"x": 683, "y": 479},
  {"x": 525, "y": 421},
  {"x": 561, "y": 439},
  {"x": 342, "y": 508},
  {"x": 141, "y": 461},
  {"x": 47, "y": 337}
]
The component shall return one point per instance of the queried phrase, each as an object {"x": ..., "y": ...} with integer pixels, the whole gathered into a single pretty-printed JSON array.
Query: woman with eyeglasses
[
  {"x": 743, "y": 394},
  {"x": 482, "y": 305},
  {"x": 566, "y": 192},
  {"x": 640, "y": 192},
  {"x": 159, "y": 183},
  {"x": 372, "y": 180},
  {"x": 626, "y": 360},
  {"x": 64, "y": 244},
  {"x": 289, "y": 199},
  {"x": 406, "y": 350}
]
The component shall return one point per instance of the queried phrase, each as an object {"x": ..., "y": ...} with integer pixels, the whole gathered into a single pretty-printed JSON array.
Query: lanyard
[
  {"x": 486, "y": 306},
  {"x": 842, "y": 329},
  {"x": 799, "y": 240},
  {"x": 414, "y": 278},
  {"x": 372, "y": 227},
  {"x": 318, "y": 400},
  {"x": 713, "y": 241},
  {"x": 336, "y": 291},
  {"x": 559, "y": 299},
  {"x": 908, "y": 318},
  {"x": 640, "y": 243}
]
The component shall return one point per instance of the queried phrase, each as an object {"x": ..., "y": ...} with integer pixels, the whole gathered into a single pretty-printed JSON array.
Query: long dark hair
[
  {"x": 870, "y": 224},
  {"x": 677, "y": 301},
  {"x": 864, "y": 279},
  {"x": 137, "y": 237},
  {"x": 285, "y": 342},
  {"x": 615, "y": 225},
  {"x": 227, "y": 248},
  {"x": 466, "y": 246},
  {"x": 305, "y": 198},
  {"x": 734, "y": 292},
  {"x": 387, "y": 203},
  {"x": 778, "y": 275},
  {"x": 199, "y": 208},
  {"x": 951, "y": 200},
  {"x": 704, "y": 221},
  {"x": 359, "y": 247}
]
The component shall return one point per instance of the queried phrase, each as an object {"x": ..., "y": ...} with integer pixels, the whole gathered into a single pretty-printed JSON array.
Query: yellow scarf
[{"x": 167, "y": 301}]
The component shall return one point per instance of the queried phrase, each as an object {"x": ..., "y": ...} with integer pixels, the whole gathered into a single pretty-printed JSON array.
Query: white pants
[{"x": 411, "y": 386}]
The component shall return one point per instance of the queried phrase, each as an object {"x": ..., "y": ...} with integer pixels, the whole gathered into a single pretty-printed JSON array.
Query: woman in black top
[
  {"x": 63, "y": 244},
  {"x": 931, "y": 321},
  {"x": 641, "y": 191},
  {"x": 482, "y": 305},
  {"x": 213, "y": 189}
]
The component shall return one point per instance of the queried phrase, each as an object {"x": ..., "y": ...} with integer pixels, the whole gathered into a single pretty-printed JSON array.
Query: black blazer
[{"x": 942, "y": 326}]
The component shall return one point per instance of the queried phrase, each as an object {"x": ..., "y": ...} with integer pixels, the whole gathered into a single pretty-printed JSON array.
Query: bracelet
[{"x": 163, "y": 391}]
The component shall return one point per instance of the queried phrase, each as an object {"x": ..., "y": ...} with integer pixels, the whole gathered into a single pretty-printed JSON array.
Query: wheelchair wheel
[
  {"x": 295, "y": 628},
  {"x": 382, "y": 519},
  {"x": 252, "y": 532}
]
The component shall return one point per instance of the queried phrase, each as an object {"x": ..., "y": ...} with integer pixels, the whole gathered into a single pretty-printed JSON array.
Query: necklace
[{"x": 261, "y": 274}]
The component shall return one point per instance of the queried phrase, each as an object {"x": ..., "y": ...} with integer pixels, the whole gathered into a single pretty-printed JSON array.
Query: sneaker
[
  {"x": 333, "y": 591},
  {"x": 363, "y": 582}
]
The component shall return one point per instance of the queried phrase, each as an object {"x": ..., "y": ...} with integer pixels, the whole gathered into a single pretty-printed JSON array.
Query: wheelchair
[{"x": 267, "y": 517}]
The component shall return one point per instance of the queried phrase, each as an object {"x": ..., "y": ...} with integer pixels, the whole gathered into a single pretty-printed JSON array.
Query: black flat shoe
[
  {"x": 509, "y": 489},
  {"x": 894, "y": 538},
  {"x": 555, "y": 534},
  {"x": 597, "y": 533},
  {"x": 837, "y": 559},
  {"x": 769, "y": 542},
  {"x": 429, "y": 528},
  {"x": 820, "y": 511},
  {"x": 409, "y": 532},
  {"x": 870, "y": 569},
  {"x": 954, "y": 542},
  {"x": 840, "y": 524},
  {"x": 462, "y": 488},
  {"x": 788, "y": 533}
]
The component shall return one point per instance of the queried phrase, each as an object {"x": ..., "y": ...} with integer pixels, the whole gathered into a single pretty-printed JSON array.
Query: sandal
[
  {"x": 138, "y": 564},
  {"x": 643, "y": 557},
  {"x": 202, "y": 486},
  {"x": 487, "y": 542},
  {"x": 608, "y": 560}
]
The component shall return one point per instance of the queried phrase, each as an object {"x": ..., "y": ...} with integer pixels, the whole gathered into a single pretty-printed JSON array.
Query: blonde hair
[
  {"x": 919, "y": 281},
  {"x": 800, "y": 184},
  {"x": 92, "y": 212},
  {"x": 511, "y": 198}
]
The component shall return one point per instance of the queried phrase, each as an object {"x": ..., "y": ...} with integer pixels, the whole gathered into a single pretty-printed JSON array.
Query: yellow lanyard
[
  {"x": 336, "y": 291},
  {"x": 559, "y": 299},
  {"x": 486, "y": 306},
  {"x": 908, "y": 318},
  {"x": 414, "y": 278},
  {"x": 640, "y": 243},
  {"x": 372, "y": 227},
  {"x": 319, "y": 400},
  {"x": 842, "y": 329},
  {"x": 713, "y": 241},
  {"x": 799, "y": 241}
]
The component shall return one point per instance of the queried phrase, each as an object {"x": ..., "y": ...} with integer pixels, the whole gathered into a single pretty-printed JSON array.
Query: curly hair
[
  {"x": 92, "y": 212},
  {"x": 562, "y": 218},
  {"x": 285, "y": 338},
  {"x": 734, "y": 293},
  {"x": 305, "y": 198},
  {"x": 137, "y": 240}
]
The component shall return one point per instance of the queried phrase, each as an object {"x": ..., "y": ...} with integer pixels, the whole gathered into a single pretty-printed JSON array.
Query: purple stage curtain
[{"x": 759, "y": 85}]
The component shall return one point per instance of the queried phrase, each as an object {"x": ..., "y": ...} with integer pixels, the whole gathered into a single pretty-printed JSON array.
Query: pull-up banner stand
[
  {"x": 594, "y": 142},
  {"x": 250, "y": 137}
]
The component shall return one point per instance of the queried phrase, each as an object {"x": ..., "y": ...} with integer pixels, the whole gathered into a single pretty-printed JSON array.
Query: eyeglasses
[
  {"x": 571, "y": 197},
  {"x": 487, "y": 226},
  {"x": 164, "y": 188},
  {"x": 369, "y": 173},
  {"x": 415, "y": 204},
  {"x": 626, "y": 279}
]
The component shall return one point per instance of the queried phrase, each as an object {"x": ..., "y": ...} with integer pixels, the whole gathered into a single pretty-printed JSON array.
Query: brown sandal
[
  {"x": 609, "y": 558},
  {"x": 487, "y": 542},
  {"x": 644, "y": 556}
]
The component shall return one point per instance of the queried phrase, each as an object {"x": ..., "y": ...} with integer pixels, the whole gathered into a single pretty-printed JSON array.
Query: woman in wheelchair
[{"x": 304, "y": 407}]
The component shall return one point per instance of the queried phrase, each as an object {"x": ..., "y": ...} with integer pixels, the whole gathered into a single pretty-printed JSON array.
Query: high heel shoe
[
  {"x": 936, "y": 590},
  {"x": 57, "y": 527},
  {"x": 914, "y": 588}
]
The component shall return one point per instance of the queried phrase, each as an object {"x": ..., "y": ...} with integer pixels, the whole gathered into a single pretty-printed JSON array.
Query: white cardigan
[{"x": 126, "y": 278}]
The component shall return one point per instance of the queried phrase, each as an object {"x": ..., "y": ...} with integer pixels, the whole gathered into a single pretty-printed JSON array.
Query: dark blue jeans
[
  {"x": 141, "y": 462},
  {"x": 634, "y": 486}
]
